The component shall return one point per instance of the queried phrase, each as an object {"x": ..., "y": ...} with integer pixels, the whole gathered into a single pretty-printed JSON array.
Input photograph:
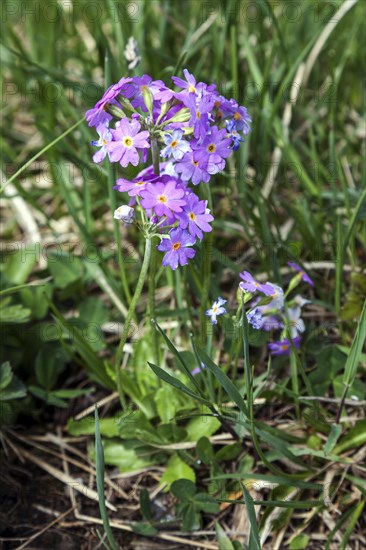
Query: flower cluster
[
  {"x": 273, "y": 312},
  {"x": 269, "y": 310},
  {"x": 194, "y": 128}
]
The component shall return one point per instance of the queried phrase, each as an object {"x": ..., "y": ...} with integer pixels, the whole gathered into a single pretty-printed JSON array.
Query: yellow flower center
[
  {"x": 127, "y": 141},
  {"x": 191, "y": 89},
  {"x": 144, "y": 88},
  {"x": 198, "y": 115},
  {"x": 211, "y": 148},
  {"x": 195, "y": 162},
  {"x": 192, "y": 216},
  {"x": 284, "y": 346},
  {"x": 162, "y": 198},
  {"x": 104, "y": 142},
  {"x": 176, "y": 246},
  {"x": 140, "y": 182},
  {"x": 173, "y": 144},
  {"x": 214, "y": 309},
  {"x": 237, "y": 116}
]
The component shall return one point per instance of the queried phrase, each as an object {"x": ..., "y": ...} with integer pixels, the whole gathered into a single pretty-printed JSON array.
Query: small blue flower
[
  {"x": 216, "y": 310},
  {"x": 175, "y": 145},
  {"x": 255, "y": 318}
]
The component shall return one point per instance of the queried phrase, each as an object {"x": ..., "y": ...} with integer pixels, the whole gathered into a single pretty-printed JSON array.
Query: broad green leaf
[
  {"x": 184, "y": 489},
  {"x": 204, "y": 450},
  {"x": 202, "y": 426},
  {"x": 167, "y": 403},
  {"x": 49, "y": 364},
  {"x": 177, "y": 469},
  {"x": 15, "y": 314},
  {"x": 64, "y": 268},
  {"x": 86, "y": 426},
  {"x": 19, "y": 264}
]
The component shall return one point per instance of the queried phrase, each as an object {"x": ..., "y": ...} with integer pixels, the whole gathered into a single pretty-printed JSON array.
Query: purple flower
[
  {"x": 177, "y": 248},
  {"x": 105, "y": 136},
  {"x": 200, "y": 110},
  {"x": 197, "y": 370},
  {"x": 213, "y": 150},
  {"x": 238, "y": 114},
  {"x": 234, "y": 134},
  {"x": 251, "y": 285},
  {"x": 98, "y": 115},
  {"x": 190, "y": 168},
  {"x": 175, "y": 145},
  {"x": 196, "y": 216},
  {"x": 283, "y": 347},
  {"x": 304, "y": 276},
  {"x": 164, "y": 198},
  {"x": 127, "y": 140},
  {"x": 216, "y": 310},
  {"x": 255, "y": 318},
  {"x": 189, "y": 84}
]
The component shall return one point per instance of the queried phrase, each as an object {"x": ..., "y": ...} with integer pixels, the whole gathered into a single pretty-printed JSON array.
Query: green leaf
[
  {"x": 86, "y": 426},
  {"x": 19, "y": 264},
  {"x": 335, "y": 432},
  {"x": 254, "y": 540},
  {"x": 167, "y": 403},
  {"x": 145, "y": 504},
  {"x": 15, "y": 314},
  {"x": 354, "y": 356},
  {"x": 206, "y": 503},
  {"x": 99, "y": 467},
  {"x": 183, "y": 489},
  {"x": 176, "y": 383},
  {"x": 10, "y": 386},
  {"x": 356, "y": 437},
  {"x": 177, "y": 469},
  {"x": 47, "y": 397},
  {"x": 300, "y": 542},
  {"x": 64, "y": 268},
  {"x": 6, "y": 375},
  {"x": 202, "y": 426},
  {"x": 191, "y": 518},
  {"x": 204, "y": 450},
  {"x": 222, "y": 538},
  {"x": 143, "y": 528},
  {"x": 49, "y": 364},
  {"x": 223, "y": 380}
]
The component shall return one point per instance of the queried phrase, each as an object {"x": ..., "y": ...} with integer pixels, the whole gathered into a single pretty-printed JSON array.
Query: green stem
[
  {"x": 130, "y": 314},
  {"x": 153, "y": 266},
  {"x": 117, "y": 235}
]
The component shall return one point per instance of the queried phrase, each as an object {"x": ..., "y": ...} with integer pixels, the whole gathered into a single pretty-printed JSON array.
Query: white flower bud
[{"x": 124, "y": 213}]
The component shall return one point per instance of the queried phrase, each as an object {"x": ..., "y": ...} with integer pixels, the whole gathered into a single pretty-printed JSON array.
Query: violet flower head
[
  {"x": 216, "y": 310},
  {"x": 193, "y": 169},
  {"x": 177, "y": 248},
  {"x": 213, "y": 150},
  {"x": 127, "y": 139},
  {"x": 195, "y": 216},
  {"x": 249, "y": 284},
  {"x": 283, "y": 347},
  {"x": 304, "y": 276},
  {"x": 163, "y": 198}
]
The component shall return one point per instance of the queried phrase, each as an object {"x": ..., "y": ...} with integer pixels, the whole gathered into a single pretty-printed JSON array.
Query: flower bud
[
  {"x": 181, "y": 116},
  {"x": 124, "y": 213},
  {"x": 148, "y": 99}
]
